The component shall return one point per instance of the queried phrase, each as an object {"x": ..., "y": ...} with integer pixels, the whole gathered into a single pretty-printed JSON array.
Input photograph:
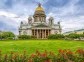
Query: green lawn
[{"x": 32, "y": 45}]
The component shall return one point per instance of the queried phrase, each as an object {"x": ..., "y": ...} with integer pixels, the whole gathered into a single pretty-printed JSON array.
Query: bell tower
[
  {"x": 39, "y": 15},
  {"x": 51, "y": 21}
]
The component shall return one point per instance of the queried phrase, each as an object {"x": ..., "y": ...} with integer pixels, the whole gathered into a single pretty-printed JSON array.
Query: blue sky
[{"x": 69, "y": 12}]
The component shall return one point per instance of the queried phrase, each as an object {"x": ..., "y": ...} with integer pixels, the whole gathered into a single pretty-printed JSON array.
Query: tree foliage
[
  {"x": 7, "y": 35},
  {"x": 73, "y": 36},
  {"x": 23, "y": 37}
]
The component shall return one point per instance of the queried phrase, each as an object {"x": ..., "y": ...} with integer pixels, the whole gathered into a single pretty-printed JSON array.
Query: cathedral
[{"x": 37, "y": 25}]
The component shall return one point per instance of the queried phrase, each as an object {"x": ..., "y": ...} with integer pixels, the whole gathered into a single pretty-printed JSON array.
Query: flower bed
[{"x": 62, "y": 56}]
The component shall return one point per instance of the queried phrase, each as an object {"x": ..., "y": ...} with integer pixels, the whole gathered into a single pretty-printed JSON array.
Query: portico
[{"x": 41, "y": 33}]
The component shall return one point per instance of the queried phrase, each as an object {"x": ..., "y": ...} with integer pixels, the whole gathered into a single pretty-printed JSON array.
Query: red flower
[
  {"x": 69, "y": 52},
  {"x": 30, "y": 60},
  {"x": 80, "y": 51},
  {"x": 61, "y": 51},
  {"x": 44, "y": 55},
  {"x": 47, "y": 60},
  {"x": 33, "y": 55}
]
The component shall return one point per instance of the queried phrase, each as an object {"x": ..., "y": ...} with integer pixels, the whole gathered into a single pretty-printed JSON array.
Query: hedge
[
  {"x": 24, "y": 37},
  {"x": 56, "y": 36}
]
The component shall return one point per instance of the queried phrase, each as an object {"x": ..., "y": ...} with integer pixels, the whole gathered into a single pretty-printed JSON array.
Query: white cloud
[
  {"x": 11, "y": 20},
  {"x": 74, "y": 23},
  {"x": 7, "y": 14},
  {"x": 69, "y": 23},
  {"x": 41, "y": 1}
]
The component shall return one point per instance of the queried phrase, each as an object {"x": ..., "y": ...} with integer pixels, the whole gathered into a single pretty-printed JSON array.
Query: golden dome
[{"x": 39, "y": 8}]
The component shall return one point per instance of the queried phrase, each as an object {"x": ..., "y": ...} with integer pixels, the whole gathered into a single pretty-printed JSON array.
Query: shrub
[
  {"x": 62, "y": 56},
  {"x": 24, "y": 37},
  {"x": 56, "y": 36},
  {"x": 33, "y": 37}
]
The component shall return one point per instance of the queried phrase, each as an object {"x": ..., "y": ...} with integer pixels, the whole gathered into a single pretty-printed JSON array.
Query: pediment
[{"x": 41, "y": 25}]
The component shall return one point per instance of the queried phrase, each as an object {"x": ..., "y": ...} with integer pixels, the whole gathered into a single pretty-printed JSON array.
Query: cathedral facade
[{"x": 37, "y": 25}]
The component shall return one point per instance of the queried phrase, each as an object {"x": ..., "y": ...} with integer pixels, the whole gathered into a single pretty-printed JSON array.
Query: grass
[{"x": 32, "y": 45}]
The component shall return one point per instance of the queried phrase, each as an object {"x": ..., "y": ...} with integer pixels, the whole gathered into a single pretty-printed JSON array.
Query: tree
[
  {"x": 73, "y": 36},
  {"x": 82, "y": 35},
  {"x": 7, "y": 35},
  {"x": 0, "y": 35}
]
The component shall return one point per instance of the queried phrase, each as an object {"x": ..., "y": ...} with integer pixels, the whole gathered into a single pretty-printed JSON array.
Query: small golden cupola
[
  {"x": 39, "y": 15},
  {"x": 39, "y": 8}
]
